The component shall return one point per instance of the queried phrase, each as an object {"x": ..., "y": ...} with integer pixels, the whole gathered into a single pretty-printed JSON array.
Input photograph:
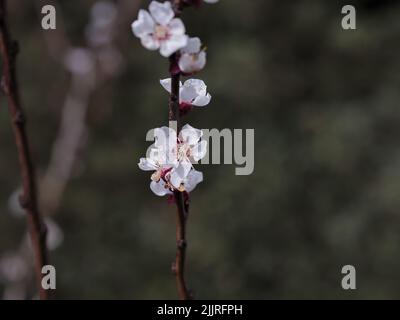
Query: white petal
[
  {"x": 202, "y": 101},
  {"x": 192, "y": 180},
  {"x": 190, "y": 63},
  {"x": 146, "y": 164},
  {"x": 159, "y": 188},
  {"x": 144, "y": 25},
  {"x": 166, "y": 83},
  {"x": 184, "y": 168},
  {"x": 153, "y": 153},
  {"x": 158, "y": 156},
  {"x": 198, "y": 85},
  {"x": 161, "y": 136},
  {"x": 161, "y": 12},
  {"x": 179, "y": 173},
  {"x": 173, "y": 44},
  {"x": 190, "y": 135},
  {"x": 175, "y": 179},
  {"x": 165, "y": 139},
  {"x": 193, "y": 46},
  {"x": 201, "y": 60},
  {"x": 177, "y": 28},
  {"x": 199, "y": 150},
  {"x": 187, "y": 93},
  {"x": 185, "y": 63},
  {"x": 194, "y": 91},
  {"x": 149, "y": 42}
]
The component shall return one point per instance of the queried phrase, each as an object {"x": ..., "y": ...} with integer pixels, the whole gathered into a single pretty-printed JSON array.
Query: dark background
[{"x": 326, "y": 187}]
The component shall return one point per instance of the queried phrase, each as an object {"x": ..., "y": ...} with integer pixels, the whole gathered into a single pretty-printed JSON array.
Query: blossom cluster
[
  {"x": 173, "y": 153},
  {"x": 171, "y": 157}
]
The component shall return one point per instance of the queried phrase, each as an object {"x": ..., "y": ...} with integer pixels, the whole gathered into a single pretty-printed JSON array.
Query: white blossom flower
[
  {"x": 170, "y": 157},
  {"x": 190, "y": 149},
  {"x": 161, "y": 159},
  {"x": 192, "y": 58},
  {"x": 193, "y": 92},
  {"x": 159, "y": 29},
  {"x": 158, "y": 182}
]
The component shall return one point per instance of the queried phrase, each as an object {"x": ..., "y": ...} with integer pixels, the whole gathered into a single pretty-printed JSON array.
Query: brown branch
[
  {"x": 181, "y": 202},
  {"x": 28, "y": 199},
  {"x": 179, "y": 265},
  {"x": 174, "y": 96}
]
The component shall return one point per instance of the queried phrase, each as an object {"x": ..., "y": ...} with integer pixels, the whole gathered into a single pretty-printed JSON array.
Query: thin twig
[
  {"x": 174, "y": 96},
  {"x": 179, "y": 264},
  {"x": 37, "y": 228}
]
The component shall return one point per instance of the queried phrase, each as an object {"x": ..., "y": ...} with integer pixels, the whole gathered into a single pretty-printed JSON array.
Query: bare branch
[{"x": 37, "y": 229}]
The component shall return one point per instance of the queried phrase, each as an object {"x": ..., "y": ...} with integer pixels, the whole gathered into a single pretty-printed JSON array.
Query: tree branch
[
  {"x": 28, "y": 199},
  {"x": 179, "y": 264},
  {"x": 182, "y": 209}
]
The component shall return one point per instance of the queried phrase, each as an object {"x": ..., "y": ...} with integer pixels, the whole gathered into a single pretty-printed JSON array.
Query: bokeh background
[{"x": 325, "y": 192}]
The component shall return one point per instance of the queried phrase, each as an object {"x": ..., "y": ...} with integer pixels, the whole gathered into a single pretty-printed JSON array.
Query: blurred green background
[{"x": 325, "y": 192}]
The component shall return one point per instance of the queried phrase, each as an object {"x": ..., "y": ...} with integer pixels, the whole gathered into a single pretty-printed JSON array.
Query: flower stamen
[{"x": 161, "y": 33}]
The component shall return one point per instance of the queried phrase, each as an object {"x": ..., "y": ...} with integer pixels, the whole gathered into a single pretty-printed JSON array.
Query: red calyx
[
  {"x": 186, "y": 200},
  {"x": 184, "y": 108}
]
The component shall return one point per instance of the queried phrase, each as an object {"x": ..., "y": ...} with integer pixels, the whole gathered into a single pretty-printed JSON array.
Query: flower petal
[
  {"x": 201, "y": 60},
  {"x": 199, "y": 150},
  {"x": 177, "y": 28},
  {"x": 190, "y": 63},
  {"x": 166, "y": 84},
  {"x": 144, "y": 25},
  {"x": 179, "y": 173},
  {"x": 147, "y": 164},
  {"x": 198, "y": 85},
  {"x": 162, "y": 157},
  {"x": 185, "y": 63},
  {"x": 187, "y": 93},
  {"x": 190, "y": 135},
  {"x": 192, "y": 180},
  {"x": 173, "y": 44},
  {"x": 150, "y": 42},
  {"x": 161, "y": 12},
  {"x": 193, "y": 46},
  {"x": 159, "y": 188},
  {"x": 166, "y": 142},
  {"x": 202, "y": 101}
]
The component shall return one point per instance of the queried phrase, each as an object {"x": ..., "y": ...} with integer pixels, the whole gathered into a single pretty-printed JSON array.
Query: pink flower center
[
  {"x": 184, "y": 151},
  {"x": 161, "y": 33}
]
